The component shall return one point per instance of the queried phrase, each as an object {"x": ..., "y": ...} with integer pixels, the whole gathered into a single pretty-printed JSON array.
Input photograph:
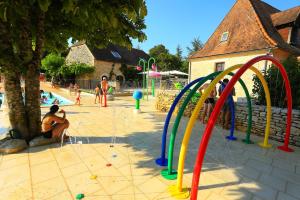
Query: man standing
[
  {"x": 104, "y": 88},
  {"x": 225, "y": 116}
]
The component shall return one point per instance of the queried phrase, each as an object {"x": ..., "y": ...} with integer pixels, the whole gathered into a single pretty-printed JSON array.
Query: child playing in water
[
  {"x": 55, "y": 102},
  {"x": 97, "y": 94},
  {"x": 78, "y": 98},
  {"x": 50, "y": 95}
]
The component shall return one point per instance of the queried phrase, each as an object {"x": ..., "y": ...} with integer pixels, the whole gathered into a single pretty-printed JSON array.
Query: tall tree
[
  {"x": 196, "y": 45},
  {"x": 29, "y": 27},
  {"x": 164, "y": 59},
  {"x": 157, "y": 50},
  {"x": 179, "y": 52}
]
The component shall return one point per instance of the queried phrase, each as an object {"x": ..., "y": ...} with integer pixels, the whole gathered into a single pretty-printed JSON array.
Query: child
[
  {"x": 43, "y": 99},
  {"x": 55, "y": 102},
  {"x": 78, "y": 98},
  {"x": 50, "y": 95},
  {"x": 97, "y": 94}
]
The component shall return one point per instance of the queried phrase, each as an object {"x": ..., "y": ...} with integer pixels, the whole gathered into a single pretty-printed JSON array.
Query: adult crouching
[{"x": 53, "y": 125}]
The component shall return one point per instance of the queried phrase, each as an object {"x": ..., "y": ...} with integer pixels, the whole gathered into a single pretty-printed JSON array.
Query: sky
[{"x": 177, "y": 22}]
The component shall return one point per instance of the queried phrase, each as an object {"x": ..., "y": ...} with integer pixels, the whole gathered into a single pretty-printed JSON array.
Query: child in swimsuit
[
  {"x": 97, "y": 94},
  {"x": 78, "y": 98},
  {"x": 209, "y": 102}
]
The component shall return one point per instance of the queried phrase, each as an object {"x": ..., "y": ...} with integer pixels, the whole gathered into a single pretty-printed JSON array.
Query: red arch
[{"x": 216, "y": 111}]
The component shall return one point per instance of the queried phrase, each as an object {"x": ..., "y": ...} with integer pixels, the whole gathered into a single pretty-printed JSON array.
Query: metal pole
[
  {"x": 153, "y": 59},
  {"x": 143, "y": 74}
]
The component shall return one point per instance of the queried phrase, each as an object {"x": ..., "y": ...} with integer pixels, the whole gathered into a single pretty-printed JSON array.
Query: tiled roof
[
  {"x": 111, "y": 52},
  {"x": 250, "y": 27},
  {"x": 285, "y": 17}
]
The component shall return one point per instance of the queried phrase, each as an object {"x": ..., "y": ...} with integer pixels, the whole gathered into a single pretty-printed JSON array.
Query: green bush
[
  {"x": 52, "y": 63},
  {"x": 54, "y": 66},
  {"x": 79, "y": 69},
  {"x": 276, "y": 84}
]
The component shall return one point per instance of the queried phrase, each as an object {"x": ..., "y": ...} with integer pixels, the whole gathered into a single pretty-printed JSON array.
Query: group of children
[
  {"x": 210, "y": 102},
  {"x": 100, "y": 92},
  {"x": 44, "y": 98}
]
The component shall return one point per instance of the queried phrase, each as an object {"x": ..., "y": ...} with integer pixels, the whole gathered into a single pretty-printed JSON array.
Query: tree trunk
[
  {"x": 32, "y": 81},
  {"x": 32, "y": 100},
  {"x": 15, "y": 102}
]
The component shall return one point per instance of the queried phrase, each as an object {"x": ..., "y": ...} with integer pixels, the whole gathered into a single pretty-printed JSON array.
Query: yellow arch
[{"x": 197, "y": 109}]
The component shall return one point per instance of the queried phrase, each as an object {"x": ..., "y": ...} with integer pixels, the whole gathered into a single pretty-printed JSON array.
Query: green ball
[{"x": 79, "y": 196}]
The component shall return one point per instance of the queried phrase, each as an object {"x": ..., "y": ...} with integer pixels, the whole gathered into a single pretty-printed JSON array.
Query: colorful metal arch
[
  {"x": 197, "y": 109},
  {"x": 169, "y": 173},
  {"x": 162, "y": 161},
  {"x": 216, "y": 111}
]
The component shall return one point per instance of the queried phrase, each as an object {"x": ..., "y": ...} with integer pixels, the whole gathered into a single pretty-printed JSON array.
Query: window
[
  {"x": 224, "y": 36},
  {"x": 220, "y": 66},
  {"x": 115, "y": 54}
]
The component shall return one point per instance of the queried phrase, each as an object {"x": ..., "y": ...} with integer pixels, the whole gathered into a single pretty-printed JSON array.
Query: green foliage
[
  {"x": 195, "y": 98},
  {"x": 196, "y": 45},
  {"x": 28, "y": 26},
  {"x": 157, "y": 50},
  {"x": 52, "y": 64},
  {"x": 178, "y": 52},
  {"x": 276, "y": 84},
  {"x": 77, "y": 69},
  {"x": 178, "y": 86},
  {"x": 164, "y": 60}
]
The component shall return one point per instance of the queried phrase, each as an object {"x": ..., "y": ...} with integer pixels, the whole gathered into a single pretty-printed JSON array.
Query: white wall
[{"x": 204, "y": 66}]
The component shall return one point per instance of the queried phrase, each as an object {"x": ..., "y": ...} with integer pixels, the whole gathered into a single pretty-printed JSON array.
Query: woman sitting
[{"x": 52, "y": 125}]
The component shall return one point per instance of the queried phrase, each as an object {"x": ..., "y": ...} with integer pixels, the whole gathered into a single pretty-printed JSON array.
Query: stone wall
[
  {"x": 80, "y": 54},
  {"x": 164, "y": 100}
]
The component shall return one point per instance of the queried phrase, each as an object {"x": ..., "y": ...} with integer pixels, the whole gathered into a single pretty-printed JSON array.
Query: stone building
[
  {"x": 250, "y": 29},
  {"x": 107, "y": 61}
]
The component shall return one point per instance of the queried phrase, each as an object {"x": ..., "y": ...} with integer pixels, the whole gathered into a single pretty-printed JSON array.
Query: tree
[
  {"x": 276, "y": 84},
  {"x": 179, "y": 52},
  {"x": 52, "y": 64},
  {"x": 166, "y": 61},
  {"x": 29, "y": 27},
  {"x": 196, "y": 45},
  {"x": 157, "y": 50}
]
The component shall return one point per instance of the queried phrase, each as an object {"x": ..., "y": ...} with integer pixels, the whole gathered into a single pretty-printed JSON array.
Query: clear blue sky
[{"x": 173, "y": 22}]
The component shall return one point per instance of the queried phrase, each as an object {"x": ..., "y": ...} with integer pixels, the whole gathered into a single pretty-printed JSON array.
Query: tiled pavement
[{"x": 232, "y": 170}]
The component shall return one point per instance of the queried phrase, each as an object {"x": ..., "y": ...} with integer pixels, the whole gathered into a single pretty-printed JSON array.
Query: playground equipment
[
  {"x": 169, "y": 173},
  {"x": 177, "y": 190},
  {"x": 146, "y": 75},
  {"x": 137, "y": 95},
  {"x": 162, "y": 161}
]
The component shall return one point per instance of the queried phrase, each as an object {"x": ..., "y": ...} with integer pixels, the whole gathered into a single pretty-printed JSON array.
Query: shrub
[{"x": 276, "y": 84}]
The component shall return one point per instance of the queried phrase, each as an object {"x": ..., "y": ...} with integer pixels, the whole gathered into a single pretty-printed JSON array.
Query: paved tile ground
[{"x": 232, "y": 170}]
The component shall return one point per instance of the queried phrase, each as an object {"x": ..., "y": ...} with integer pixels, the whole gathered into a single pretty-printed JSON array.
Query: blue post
[{"x": 232, "y": 111}]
